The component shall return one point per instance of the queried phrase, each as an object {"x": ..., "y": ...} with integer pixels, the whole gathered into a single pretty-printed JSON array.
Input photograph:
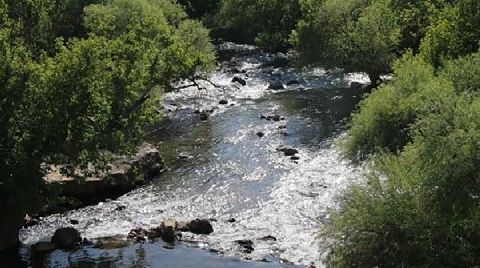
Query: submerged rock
[
  {"x": 113, "y": 242},
  {"x": 293, "y": 82},
  {"x": 42, "y": 247},
  {"x": 66, "y": 238},
  {"x": 223, "y": 102}
]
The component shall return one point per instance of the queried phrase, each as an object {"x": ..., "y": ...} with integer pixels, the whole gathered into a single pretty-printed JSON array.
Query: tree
[
  {"x": 93, "y": 93},
  {"x": 353, "y": 35},
  {"x": 265, "y": 23}
]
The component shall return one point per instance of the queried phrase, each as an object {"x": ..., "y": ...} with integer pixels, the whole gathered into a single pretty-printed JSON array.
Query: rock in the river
[
  {"x": 122, "y": 176},
  {"x": 290, "y": 152},
  {"x": 246, "y": 244},
  {"x": 141, "y": 235},
  {"x": 231, "y": 220},
  {"x": 287, "y": 150},
  {"x": 275, "y": 85},
  {"x": 200, "y": 226},
  {"x": 66, "y": 238},
  {"x": 113, "y": 242},
  {"x": 223, "y": 102},
  {"x": 74, "y": 222},
  {"x": 167, "y": 230},
  {"x": 268, "y": 238},
  {"x": 239, "y": 80},
  {"x": 295, "y": 158},
  {"x": 280, "y": 60},
  {"x": 42, "y": 247},
  {"x": 203, "y": 116},
  {"x": 260, "y": 134},
  {"x": 275, "y": 118}
]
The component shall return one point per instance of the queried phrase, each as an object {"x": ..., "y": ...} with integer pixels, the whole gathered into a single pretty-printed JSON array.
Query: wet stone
[
  {"x": 203, "y": 116},
  {"x": 290, "y": 152},
  {"x": 200, "y": 226},
  {"x": 239, "y": 80},
  {"x": 66, "y": 238},
  {"x": 268, "y": 238},
  {"x": 246, "y": 244}
]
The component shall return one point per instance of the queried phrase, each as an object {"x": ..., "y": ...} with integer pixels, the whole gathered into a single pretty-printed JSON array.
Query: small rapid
[{"x": 221, "y": 169}]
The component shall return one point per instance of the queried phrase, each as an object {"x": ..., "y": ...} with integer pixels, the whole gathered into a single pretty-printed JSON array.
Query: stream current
[{"x": 221, "y": 169}]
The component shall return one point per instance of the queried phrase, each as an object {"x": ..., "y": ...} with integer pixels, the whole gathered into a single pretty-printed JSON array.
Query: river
[{"x": 221, "y": 169}]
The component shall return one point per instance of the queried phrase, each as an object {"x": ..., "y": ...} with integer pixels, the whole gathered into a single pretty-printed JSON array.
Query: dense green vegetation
[
  {"x": 267, "y": 23},
  {"x": 421, "y": 132},
  {"x": 79, "y": 78}
]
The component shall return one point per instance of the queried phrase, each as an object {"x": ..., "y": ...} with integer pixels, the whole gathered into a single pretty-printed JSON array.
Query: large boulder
[
  {"x": 66, "y": 238},
  {"x": 168, "y": 230},
  {"x": 122, "y": 176}
]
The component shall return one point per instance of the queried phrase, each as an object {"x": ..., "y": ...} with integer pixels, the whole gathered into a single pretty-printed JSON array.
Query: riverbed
[{"x": 227, "y": 168}]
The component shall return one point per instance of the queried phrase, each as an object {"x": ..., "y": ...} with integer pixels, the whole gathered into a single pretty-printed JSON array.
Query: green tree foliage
[
  {"x": 200, "y": 8},
  {"x": 420, "y": 205},
  {"x": 85, "y": 87},
  {"x": 361, "y": 36},
  {"x": 264, "y": 22},
  {"x": 455, "y": 32}
]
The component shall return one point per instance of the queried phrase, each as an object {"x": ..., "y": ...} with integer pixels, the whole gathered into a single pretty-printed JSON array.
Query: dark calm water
[{"x": 226, "y": 171}]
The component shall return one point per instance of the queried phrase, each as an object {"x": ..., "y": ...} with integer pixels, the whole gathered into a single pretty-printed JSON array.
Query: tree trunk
[
  {"x": 374, "y": 79},
  {"x": 11, "y": 220}
]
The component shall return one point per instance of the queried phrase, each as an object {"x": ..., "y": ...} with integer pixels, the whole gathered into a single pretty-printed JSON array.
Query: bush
[
  {"x": 420, "y": 208},
  {"x": 384, "y": 117},
  {"x": 454, "y": 33},
  {"x": 420, "y": 205}
]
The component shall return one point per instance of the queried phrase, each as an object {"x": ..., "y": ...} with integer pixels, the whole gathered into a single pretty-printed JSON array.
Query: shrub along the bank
[{"x": 420, "y": 205}]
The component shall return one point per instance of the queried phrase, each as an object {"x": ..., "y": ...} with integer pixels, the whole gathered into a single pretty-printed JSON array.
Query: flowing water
[{"x": 221, "y": 169}]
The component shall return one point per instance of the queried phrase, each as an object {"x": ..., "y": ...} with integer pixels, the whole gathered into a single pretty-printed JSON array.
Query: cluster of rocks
[
  {"x": 170, "y": 230},
  {"x": 69, "y": 238},
  {"x": 288, "y": 151}
]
